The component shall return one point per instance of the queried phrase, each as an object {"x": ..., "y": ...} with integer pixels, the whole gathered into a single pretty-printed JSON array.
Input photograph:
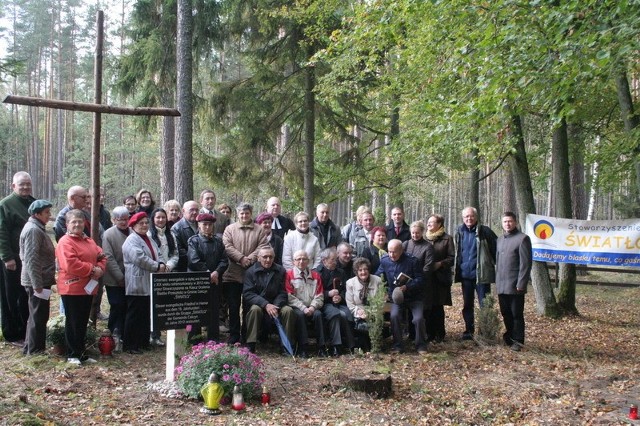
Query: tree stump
[{"x": 375, "y": 384}]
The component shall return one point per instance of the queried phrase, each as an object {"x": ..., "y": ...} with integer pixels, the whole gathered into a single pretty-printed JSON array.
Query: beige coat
[{"x": 242, "y": 241}]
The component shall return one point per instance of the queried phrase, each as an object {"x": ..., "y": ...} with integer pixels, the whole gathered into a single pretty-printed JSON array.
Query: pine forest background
[{"x": 434, "y": 105}]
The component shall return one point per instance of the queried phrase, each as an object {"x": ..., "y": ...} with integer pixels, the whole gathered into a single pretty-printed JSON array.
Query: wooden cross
[{"x": 98, "y": 109}]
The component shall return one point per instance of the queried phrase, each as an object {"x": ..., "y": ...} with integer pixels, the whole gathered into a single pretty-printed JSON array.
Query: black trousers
[
  {"x": 137, "y": 324},
  {"x": 76, "y": 310},
  {"x": 14, "y": 304},
  {"x": 512, "y": 310},
  {"x": 35, "y": 340},
  {"x": 117, "y": 308},
  {"x": 232, "y": 292}
]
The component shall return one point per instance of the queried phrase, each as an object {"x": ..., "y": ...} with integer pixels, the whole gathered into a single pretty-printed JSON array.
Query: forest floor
[{"x": 573, "y": 371}]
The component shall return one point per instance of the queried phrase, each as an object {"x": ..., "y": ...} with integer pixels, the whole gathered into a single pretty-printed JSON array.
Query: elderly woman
[
  {"x": 38, "y": 273},
  {"x": 174, "y": 212},
  {"x": 81, "y": 263},
  {"x": 377, "y": 247},
  {"x": 141, "y": 258},
  {"x": 145, "y": 201},
  {"x": 335, "y": 311},
  {"x": 265, "y": 220},
  {"x": 359, "y": 289},
  {"x": 112, "y": 243},
  {"x": 300, "y": 239},
  {"x": 443, "y": 261}
]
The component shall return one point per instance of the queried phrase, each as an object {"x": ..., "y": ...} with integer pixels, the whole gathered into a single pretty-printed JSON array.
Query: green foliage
[
  {"x": 234, "y": 365},
  {"x": 375, "y": 318},
  {"x": 488, "y": 321}
]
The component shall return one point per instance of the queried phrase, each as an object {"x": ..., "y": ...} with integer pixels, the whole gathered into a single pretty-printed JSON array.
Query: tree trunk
[
  {"x": 562, "y": 190},
  {"x": 474, "y": 187},
  {"x": 167, "y": 155},
  {"x": 309, "y": 138},
  {"x": 184, "y": 143},
  {"x": 631, "y": 121},
  {"x": 508, "y": 191},
  {"x": 545, "y": 299},
  {"x": 577, "y": 171}
]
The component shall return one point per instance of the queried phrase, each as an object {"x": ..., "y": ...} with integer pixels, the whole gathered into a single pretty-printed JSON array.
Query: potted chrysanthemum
[{"x": 234, "y": 365}]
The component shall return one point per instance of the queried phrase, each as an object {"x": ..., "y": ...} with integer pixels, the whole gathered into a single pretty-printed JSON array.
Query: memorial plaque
[{"x": 179, "y": 299}]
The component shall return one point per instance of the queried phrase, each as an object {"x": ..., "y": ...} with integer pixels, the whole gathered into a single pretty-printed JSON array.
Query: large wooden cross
[{"x": 98, "y": 109}]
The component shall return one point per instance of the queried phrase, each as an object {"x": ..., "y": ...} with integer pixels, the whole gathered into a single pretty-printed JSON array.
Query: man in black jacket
[
  {"x": 398, "y": 229},
  {"x": 184, "y": 229},
  {"x": 263, "y": 292}
]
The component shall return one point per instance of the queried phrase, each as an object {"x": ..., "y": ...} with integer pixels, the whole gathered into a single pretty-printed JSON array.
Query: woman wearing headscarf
[
  {"x": 443, "y": 260},
  {"x": 81, "y": 263},
  {"x": 141, "y": 258}
]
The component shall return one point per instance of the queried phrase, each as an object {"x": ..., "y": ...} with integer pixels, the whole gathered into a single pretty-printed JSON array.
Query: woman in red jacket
[{"x": 81, "y": 263}]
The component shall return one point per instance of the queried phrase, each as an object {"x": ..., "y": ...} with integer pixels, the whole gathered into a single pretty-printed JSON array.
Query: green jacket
[{"x": 13, "y": 216}]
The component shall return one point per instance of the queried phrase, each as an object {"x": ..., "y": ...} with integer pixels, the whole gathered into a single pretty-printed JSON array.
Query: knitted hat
[
  {"x": 137, "y": 218},
  {"x": 206, "y": 217},
  {"x": 262, "y": 217},
  {"x": 38, "y": 206}
]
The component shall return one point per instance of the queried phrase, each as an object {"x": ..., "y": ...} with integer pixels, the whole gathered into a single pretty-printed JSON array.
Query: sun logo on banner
[{"x": 543, "y": 229}]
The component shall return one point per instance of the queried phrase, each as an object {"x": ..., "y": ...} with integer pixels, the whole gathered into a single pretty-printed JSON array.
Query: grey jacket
[
  {"x": 38, "y": 256},
  {"x": 112, "y": 248},
  {"x": 513, "y": 262},
  {"x": 139, "y": 264}
]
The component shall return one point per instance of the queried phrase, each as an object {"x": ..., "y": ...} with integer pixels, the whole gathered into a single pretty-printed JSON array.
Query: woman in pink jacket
[{"x": 81, "y": 263}]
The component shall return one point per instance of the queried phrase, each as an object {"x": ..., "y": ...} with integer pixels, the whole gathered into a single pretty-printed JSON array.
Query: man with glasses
[
  {"x": 14, "y": 214},
  {"x": 263, "y": 292},
  {"x": 77, "y": 198},
  {"x": 306, "y": 297}
]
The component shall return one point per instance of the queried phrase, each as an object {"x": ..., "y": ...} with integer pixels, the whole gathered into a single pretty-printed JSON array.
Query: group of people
[{"x": 309, "y": 274}]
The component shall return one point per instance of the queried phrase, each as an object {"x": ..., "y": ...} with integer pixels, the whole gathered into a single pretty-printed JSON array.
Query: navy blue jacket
[{"x": 408, "y": 265}]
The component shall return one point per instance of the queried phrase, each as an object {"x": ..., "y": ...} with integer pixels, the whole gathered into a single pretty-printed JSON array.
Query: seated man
[
  {"x": 405, "y": 281},
  {"x": 263, "y": 291},
  {"x": 304, "y": 289},
  {"x": 205, "y": 252}
]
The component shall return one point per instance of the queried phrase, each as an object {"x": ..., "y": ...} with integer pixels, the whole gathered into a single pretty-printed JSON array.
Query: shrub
[
  {"x": 375, "y": 318},
  {"x": 488, "y": 321},
  {"x": 55, "y": 332},
  {"x": 234, "y": 365}
]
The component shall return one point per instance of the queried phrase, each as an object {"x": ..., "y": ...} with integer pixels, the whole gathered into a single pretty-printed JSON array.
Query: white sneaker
[
  {"x": 89, "y": 361},
  {"x": 74, "y": 361}
]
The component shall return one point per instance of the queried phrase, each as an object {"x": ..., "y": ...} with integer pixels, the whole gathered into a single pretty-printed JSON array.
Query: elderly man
[
  {"x": 14, "y": 214},
  {"x": 265, "y": 220},
  {"x": 475, "y": 260},
  {"x": 361, "y": 237},
  {"x": 398, "y": 228},
  {"x": 405, "y": 286},
  {"x": 38, "y": 274},
  {"x": 242, "y": 241},
  {"x": 306, "y": 297},
  {"x": 324, "y": 229},
  {"x": 184, "y": 229},
  {"x": 208, "y": 203},
  {"x": 513, "y": 269},
  {"x": 264, "y": 293},
  {"x": 206, "y": 253},
  {"x": 281, "y": 224},
  {"x": 77, "y": 198}
]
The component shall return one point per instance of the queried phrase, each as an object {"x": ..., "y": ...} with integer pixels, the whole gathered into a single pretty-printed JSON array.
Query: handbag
[{"x": 361, "y": 325}]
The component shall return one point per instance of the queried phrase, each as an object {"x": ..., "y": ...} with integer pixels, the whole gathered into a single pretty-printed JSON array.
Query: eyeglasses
[{"x": 301, "y": 259}]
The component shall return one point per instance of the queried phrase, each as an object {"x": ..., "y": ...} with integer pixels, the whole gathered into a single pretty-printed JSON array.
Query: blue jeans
[{"x": 469, "y": 287}]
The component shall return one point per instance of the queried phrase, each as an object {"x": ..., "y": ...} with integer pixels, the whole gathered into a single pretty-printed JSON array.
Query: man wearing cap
[
  {"x": 14, "y": 214},
  {"x": 184, "y": 229},
  {"x": 206, "y": 253},
  {"x": 265, "y": 220},
  {"x": 405, "y": 286},
  {"x": 38, "y": 272},
  {"x": 242, "y": 241}
]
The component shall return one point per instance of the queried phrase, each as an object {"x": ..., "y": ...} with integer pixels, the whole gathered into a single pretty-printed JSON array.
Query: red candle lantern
[
  {"x": 633, "y": 412},
  {"x": 265, "y": 398},
  {"x": 106, "y": 344},
  {"x": 237, "y": 402}
]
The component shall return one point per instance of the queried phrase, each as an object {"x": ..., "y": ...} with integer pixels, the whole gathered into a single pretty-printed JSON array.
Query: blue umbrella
[{"x": 283, "y": 336}]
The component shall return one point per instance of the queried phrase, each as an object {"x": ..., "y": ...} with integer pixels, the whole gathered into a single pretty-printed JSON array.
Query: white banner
[{"x": 587, "y": 242}]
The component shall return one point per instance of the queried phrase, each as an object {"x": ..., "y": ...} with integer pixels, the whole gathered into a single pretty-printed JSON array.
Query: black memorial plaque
[{"x": 179, "y": 299}]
